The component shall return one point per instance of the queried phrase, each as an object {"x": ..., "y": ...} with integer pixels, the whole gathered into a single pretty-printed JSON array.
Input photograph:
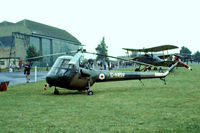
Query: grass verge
[{"x": 125, "y": 106}]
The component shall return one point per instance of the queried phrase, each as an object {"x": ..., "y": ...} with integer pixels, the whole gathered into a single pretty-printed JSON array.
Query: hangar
[{"x": 16, "y": 37}]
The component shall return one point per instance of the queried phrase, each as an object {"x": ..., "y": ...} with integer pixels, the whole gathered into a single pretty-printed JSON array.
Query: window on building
[{"x": 2, "y": 63}]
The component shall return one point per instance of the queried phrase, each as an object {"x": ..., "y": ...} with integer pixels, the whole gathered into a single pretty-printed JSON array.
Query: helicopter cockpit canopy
[{"x": 61, "y": 65}]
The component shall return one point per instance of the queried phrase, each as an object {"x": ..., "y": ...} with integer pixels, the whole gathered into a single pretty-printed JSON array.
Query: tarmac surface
[{"x": 19, "y": 77}]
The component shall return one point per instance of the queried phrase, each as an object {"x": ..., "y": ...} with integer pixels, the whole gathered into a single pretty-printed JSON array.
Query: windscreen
[{"x": 60, "y": 67}]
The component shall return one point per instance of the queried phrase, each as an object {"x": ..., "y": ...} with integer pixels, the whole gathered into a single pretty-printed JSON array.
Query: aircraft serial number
[{"x": 117, "y": 75}]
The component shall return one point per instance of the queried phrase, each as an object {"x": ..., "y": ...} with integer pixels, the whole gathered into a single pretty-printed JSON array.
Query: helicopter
[{"x": 73, "y": 73}]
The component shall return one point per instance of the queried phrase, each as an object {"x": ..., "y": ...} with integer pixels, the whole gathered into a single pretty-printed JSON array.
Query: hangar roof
[
  {"x": 31, "y": 27},
  {"x": 6, "y": 23}
]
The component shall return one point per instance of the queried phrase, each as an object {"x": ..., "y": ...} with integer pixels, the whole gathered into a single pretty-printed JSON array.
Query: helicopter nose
[
  {"x": 56, "y": 80},
  {"x": 51, "y": 80}
]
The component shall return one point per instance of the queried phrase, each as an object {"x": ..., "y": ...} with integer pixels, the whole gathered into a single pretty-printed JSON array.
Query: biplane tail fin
[{"x": 179, "y": 60}]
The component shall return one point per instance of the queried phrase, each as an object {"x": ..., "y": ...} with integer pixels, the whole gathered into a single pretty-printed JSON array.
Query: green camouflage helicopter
[{"x": 71, "y": 73}]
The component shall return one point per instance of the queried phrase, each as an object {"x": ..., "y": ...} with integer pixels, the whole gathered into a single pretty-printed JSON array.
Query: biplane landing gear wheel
[
  {"x": 137, "y": 69},
  {"x": 90, "y": 93},
  {"x": 149, "y": 68},
  {"x": 56, "y": 92}
]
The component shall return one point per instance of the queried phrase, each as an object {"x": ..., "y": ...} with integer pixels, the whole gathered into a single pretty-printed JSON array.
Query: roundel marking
[{"x": 102, "y": 76}]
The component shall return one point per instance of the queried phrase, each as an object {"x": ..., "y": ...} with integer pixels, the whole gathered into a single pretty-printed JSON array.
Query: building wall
[
  {"x": 21, "y": 48},
  {"x": 58, "y": 46},
  {"x": 4, "y": 60},
  {"x": 46, "y": 51},
  {"x": 21, "y": 44},
  {"x": 4, "y": 52},
  {"x": 34, "y": 41},
  {"x": 4, "y": 63}
]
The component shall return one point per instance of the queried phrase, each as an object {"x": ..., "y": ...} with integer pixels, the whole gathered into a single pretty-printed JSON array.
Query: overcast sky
[{"x": 123, "y": 23}]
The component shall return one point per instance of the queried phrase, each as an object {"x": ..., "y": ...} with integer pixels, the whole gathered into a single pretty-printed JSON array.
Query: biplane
[{"x": 150, "y": 57}]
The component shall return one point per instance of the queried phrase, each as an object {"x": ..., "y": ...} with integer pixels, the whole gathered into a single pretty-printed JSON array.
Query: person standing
[
  {"x": 27, "y": 69},
  {"x": 47, "y": 67},
  {"x": 20, "y": 64}
]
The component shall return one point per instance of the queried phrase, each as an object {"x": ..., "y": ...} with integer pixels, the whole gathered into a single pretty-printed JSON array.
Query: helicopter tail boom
[
  {"x": 129, "y": 75},
  {"x": 161, "y": 75}
]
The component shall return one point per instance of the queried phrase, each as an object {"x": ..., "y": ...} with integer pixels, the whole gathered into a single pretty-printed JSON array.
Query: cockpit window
[
  {"x": 60, "y": 66},
  {"x": 64, "y": 64}
]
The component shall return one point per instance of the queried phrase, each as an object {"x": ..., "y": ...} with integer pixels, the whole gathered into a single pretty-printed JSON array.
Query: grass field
[{"x": 125, "y": 106}]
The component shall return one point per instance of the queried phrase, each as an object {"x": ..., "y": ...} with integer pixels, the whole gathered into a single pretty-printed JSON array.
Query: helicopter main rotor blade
[
  {"x": 63, "y": 53},
  {"x": 45, "y": 56},
  {"x": 132, "y": 61}
]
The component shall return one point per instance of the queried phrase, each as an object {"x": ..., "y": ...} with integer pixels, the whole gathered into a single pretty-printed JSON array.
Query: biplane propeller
[{"x": 69, "y": 72}]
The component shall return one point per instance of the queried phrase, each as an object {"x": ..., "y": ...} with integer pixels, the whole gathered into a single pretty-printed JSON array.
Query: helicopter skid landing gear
[{"x": 56, "y": 92}]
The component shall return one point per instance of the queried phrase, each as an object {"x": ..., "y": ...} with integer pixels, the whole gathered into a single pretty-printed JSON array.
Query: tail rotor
[{"x": 179, "y": 60}]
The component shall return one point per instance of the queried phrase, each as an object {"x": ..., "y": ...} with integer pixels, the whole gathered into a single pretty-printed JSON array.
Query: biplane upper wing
[{"x": 153, "y": 49}]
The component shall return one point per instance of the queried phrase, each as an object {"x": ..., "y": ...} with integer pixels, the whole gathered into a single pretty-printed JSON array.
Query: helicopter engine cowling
[{"x": 84, "y": 73}]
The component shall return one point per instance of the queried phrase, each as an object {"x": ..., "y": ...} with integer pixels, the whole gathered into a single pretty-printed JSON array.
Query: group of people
[{"x": 27, "y": 68}]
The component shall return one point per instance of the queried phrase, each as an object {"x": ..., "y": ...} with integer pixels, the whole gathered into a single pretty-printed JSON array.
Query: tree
[
  {"x": 32, "y": 52},
  {"x": 102, "y": 49},
  {"x": 186, "y": 53},
  {"x": 196, "y": 57}
]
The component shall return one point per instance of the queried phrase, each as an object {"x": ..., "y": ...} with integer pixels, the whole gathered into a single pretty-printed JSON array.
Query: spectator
[{"x": 27, "y": 69}]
